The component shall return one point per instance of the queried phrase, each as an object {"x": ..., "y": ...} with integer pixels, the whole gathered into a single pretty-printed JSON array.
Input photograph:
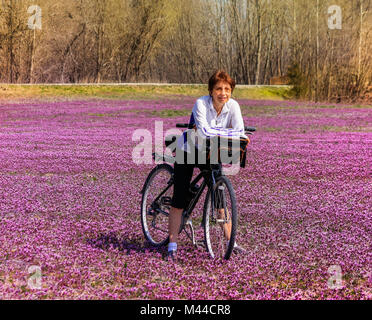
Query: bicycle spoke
[
  {"x": 220, "y": 225},
  {"x": 153, "y": 224},
  {"x": 156, "y": 206}
]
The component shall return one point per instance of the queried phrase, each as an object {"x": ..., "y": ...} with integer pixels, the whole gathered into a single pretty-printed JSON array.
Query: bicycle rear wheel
[
  {"x": 220, "y": 219},
  {"x": 156, "y": 203}
]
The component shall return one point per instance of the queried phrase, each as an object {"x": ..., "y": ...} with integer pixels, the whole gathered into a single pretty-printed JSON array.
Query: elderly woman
[{"x": 216, "y": 114}]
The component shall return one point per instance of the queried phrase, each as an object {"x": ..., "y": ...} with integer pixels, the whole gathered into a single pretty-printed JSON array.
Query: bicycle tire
[
  {"x": 215, "y": 242},
  {"x": 156, "y": 239}
]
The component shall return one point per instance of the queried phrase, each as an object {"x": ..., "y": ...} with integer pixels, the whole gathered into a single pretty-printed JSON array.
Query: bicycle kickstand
[{"x": 192, "y": 235}]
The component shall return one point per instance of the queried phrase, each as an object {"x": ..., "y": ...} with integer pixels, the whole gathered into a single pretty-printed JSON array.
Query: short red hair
[{"x": 220, "y": 75}]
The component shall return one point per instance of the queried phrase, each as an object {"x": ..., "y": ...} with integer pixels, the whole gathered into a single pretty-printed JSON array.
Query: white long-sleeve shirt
[{"x": 228, "y": 124}]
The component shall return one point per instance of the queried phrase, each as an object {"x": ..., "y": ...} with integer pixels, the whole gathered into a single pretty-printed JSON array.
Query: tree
[{"x": 185, "y": 41}]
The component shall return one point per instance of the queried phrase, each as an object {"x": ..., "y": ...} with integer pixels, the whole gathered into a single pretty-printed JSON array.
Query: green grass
[
  {"x": 169, "y": 113},
  {"x": 263, "y": 92},
  {"x": 365, "y": 128},
  {"x": 129, "y": 92}
]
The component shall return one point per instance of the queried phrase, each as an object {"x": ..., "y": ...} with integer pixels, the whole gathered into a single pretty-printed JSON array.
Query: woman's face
[{"x": 221, "y": 93}]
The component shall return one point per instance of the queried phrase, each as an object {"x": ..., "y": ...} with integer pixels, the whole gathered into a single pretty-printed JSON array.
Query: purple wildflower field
[{"x": 70, "y": 204}]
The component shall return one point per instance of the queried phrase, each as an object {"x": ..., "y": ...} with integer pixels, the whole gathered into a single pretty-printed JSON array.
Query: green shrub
[{"x": 298, "y": 81}]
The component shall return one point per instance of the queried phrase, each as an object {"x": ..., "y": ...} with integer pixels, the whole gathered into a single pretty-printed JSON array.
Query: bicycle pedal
[
  {"x": 167, "y": 201},
  {"x": 200, "y": 243}
]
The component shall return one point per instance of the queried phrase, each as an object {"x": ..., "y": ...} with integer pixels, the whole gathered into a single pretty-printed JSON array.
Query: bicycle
[{"x": 219, "y": 211}]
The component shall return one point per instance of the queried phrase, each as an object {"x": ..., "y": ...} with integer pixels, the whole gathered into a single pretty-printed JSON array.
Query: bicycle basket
[{"x": 228, "y": 150}]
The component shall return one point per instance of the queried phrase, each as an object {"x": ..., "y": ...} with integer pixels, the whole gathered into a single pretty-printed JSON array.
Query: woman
[{"x": 216, "y": 114}]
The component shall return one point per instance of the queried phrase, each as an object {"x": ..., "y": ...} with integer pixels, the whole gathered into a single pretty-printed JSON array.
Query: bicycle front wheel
[
  {"x": 220, "y": 219},
  {"x": 156, "y": 203}
]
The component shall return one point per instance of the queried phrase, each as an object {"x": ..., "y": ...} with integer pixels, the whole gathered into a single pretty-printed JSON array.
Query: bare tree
[{"x": 184, "y": 41}]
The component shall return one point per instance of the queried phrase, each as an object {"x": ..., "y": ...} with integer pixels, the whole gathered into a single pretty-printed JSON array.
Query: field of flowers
[{"x": 69, "y": 205}]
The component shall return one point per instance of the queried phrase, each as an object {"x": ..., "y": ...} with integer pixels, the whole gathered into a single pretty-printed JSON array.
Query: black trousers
[{"x": 182, "y": 177}]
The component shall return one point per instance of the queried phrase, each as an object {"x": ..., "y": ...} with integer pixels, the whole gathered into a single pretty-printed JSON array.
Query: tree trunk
[
  {"x": 32, "y": 64},
  {"x": 360, "y": 40},
  {"x": 317, "y": 54},
  {"x": 259, "y": 43}
]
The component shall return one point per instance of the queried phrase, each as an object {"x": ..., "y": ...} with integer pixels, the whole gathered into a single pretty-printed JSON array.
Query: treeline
[{"x": 322, "y": 47}]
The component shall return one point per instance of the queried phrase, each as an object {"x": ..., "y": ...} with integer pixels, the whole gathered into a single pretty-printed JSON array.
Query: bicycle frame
[
  {"x": 209, "y": 180},
  {"x": 209, "y": 176}
]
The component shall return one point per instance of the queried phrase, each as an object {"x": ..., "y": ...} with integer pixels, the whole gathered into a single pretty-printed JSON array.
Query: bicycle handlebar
[
  {"x": 250, "y": 129},
  {"x": 184, "y": 125},
  {"x": 188, "y": 126}
]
